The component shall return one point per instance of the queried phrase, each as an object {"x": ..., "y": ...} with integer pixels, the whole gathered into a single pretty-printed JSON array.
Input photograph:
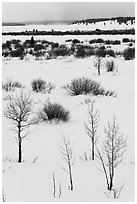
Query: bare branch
[
  {"x": 91, "y": 128},
  {"x": 67, "y": 153}
]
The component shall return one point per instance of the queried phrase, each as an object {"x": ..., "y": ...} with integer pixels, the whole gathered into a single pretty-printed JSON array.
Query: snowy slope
[
  {"x": 104, "y": 25},
  {"x": 33, "y": 181}
]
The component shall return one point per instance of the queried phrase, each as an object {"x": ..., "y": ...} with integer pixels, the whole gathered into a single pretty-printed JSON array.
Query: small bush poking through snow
[
  {"x": 39, "y": 85},
  {"x": 113, "y": 42},
  {"x": 75, "y": 41},
  {"x": 80, "y": 52},
  {"x": 62, "y": 50},
  {"x": 110, "y": 52},
  {"x": 129, "y": 53},
  {"x": 110, "y": 65},
  {"x": 54, "y": 112},
  {"x": 85, "y": 86},
  {"x": 10, "y": 85},
  {"x": 125, "y": 40}
]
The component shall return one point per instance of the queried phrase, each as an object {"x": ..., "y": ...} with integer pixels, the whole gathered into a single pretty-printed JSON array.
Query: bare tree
[
  {"x": 98, "y": 63},
  {"x": 91, "y": 128},
  {"x": 113, "y": 149},
  {"x": 18, "y": 112},
  {"x": 69, "y": 159}
]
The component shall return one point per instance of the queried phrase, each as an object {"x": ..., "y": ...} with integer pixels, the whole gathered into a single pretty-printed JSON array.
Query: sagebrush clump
[
  {"x": 110, "y": 66},
  {"x": 11, "y": 85},
  {"x": 129, "y": 53},
  {"x": 83, "y": 85},
  {"x": 39, "y": 85},
  {"x": 53, "y": 112}
]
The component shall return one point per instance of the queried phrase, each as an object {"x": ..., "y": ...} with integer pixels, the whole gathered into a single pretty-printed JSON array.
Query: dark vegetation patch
[
  {"x": 10, "y": 85},
  {"x": 43, "y": 49},
  {"x": 53, "y": 112},
  {"x": 76, "y": 32},
  {"x": 129, "y": 53},
  {"x": 84, "y": 86},
  {"x": 39, "y": 85}
]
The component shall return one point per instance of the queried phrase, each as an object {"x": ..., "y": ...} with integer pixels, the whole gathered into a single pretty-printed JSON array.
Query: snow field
[{"x": 30, "y": 181}]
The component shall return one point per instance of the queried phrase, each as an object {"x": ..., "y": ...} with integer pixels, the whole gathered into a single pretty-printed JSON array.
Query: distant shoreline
[
  {"x": 77, "y": 32},
  {"x": 68, "y": 22},
  {"x": 13, "y": 24}
]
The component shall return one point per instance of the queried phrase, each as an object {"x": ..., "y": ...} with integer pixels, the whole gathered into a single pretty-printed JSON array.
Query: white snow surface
[
  {"x": 32, "y": 182},
  {"x": 109, "y": 25}
]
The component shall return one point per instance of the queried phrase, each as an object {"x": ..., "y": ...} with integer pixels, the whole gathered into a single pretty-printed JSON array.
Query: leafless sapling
[
  {"x": 113, "y": 149},
  {"x": 98, "y": 63},
  {"x": 91, "y": 128},
  {"x": 3, "y": 196},
  {"x": 60, "y": 190},
  {"x": 18, "y": 112},
  {"x": 117, "y": 191},
  {"x": 67, "y": 153},
  {"x": 54, "y": 185}
]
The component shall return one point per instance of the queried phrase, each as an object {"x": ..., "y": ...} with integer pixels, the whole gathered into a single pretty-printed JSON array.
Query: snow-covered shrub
[
  {"x": 124, "y": 40},
  {"x": 6, "y": 45},
  {"x": 38, "y": 55},
  {"x": 75, "y": 41},
  {"x": 29, "y": 43},
  {"x": 83, "y": 85},
  {"x": 39, "y": 85},
  {"x": 17, "y": 53},
  {"x": 38, "y": 47},
  {"x": 82, "y": 51},
  {"x": 11, "y": 85},
  {"x": 113, "y": 42},
  {"x": 99, "y": 40},
  {"x": 54, "y": 45},
  {"x": 130, "y": 44},
  {"x": 62, "y": 50},
  {"x": 101, "y": 52},
  {"x": 129, "y": 53},
  {"x": 110, "y": 52},
  {"x": 110, "y": 66},
  {"x": 5, "y": 53},
  {"x": 53, "y": 112},
  {"x": 68, "y": 40}
]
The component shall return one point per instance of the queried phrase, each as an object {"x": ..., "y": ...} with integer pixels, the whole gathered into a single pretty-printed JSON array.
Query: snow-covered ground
[
  {"x": 32, "y": 182},
  {"x": 62, "y": 39},
  {"x": 109, "y": 25}
]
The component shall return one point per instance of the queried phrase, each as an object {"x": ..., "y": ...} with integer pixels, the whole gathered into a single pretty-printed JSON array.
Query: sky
[{"x": 43, "y": 11}]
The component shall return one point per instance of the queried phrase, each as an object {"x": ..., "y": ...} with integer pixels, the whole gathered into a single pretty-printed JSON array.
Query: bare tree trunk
[
  {"x": 104, "y": 168},
  {"x": 19, "y": 141},
  {"x": 60, "y": 190},
  {"x": 91, "y": 129},
  {"x": 93, "y": 147},
  {"x": 54, "y": 185},
  {"x": 20, "y": 153},
  {"x": 68, "y": 155},
  {"x": 111, "y": 182},
  {"x": 99, "y": 69},
  {"x": 71, "y": 180}
]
